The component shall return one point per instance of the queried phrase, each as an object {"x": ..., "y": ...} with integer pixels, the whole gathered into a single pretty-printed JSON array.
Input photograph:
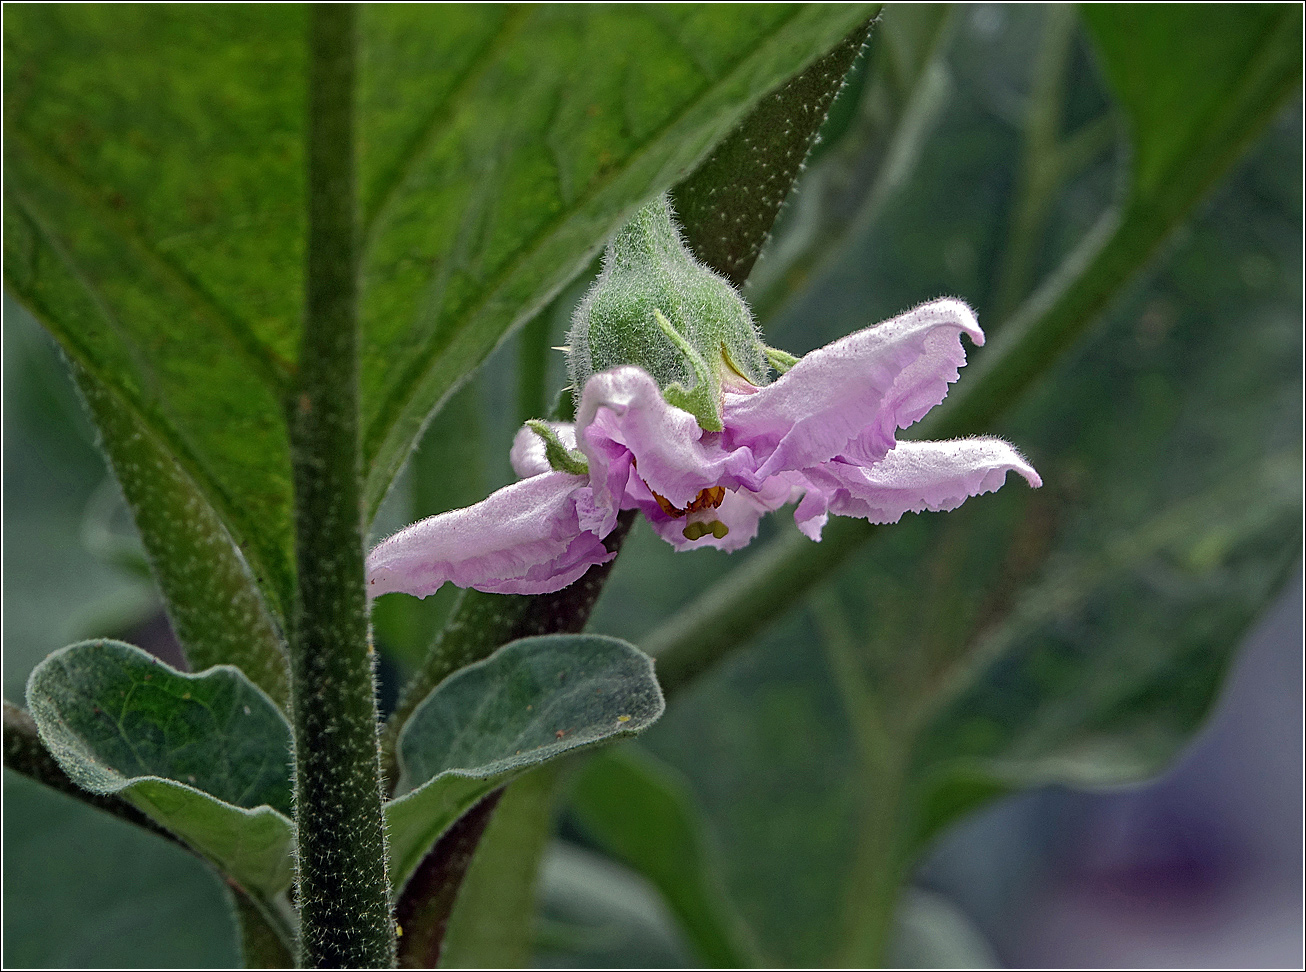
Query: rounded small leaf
[
  {"x": 532, "y": 700},
  {"x": 207, "y": 755}
]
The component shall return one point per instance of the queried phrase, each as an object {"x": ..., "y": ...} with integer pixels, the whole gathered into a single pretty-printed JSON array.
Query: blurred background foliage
[{"x": 1074, "y": 636}]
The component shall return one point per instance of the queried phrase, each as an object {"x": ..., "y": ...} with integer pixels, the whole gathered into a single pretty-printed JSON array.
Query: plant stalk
[{"x": 343, "y": 887}]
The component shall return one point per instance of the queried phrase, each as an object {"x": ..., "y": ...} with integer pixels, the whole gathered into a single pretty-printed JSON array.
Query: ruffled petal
[
  {"x": 850, "y": 397},
  {"x": 527, "y": 455},
  {"x": 913, "y": 477},
  {"x": 625, "y": 423},
  {"x": 740, "y": 511},
  {"x": 523, "y": 539}
]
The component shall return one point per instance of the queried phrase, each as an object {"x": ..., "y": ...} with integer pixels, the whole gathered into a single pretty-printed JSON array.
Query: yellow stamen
[{"x": 698, "y": 529}]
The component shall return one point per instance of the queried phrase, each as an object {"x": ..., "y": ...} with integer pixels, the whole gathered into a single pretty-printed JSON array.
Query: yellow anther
[{"x": 698, "y": 529}]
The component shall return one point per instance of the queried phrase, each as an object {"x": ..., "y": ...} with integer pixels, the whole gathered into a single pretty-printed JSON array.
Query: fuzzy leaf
[
  {"x": 207, "y": 756},
  {"x": 531, "y": 701}
]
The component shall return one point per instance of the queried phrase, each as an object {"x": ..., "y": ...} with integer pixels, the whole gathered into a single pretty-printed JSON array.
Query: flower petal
[
  {"x": 850, "y": 397},
  {"x": 914, "y": 476},
  {"x": 527, "y": 455},
  {"x": 623, "y": 417},
  {"x": 523, "y": 539}
]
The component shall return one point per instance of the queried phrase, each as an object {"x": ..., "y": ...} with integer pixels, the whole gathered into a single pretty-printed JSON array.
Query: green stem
[
  {"x": 343, "y": 887},
  {"x": 874, "y": 883},
  {"x": 212, "y": 600}
]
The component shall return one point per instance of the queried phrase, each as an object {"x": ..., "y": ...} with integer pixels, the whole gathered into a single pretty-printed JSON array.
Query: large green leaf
[
  {"x": 531, "y": 701},
  {"x": 155, "y": 214},
  {"x": 155, "y": 194},
  {"x": 1113, "y": 701},
  {"x": 207, "y": 756}
]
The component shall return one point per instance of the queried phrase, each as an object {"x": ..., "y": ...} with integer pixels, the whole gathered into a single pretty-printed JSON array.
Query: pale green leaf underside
[
  {"x": 531, "y": 701},
  {"x": 156, "y": 213},
  {"x": 207, "y": 756},
  {"x": 642, "y": 814}
]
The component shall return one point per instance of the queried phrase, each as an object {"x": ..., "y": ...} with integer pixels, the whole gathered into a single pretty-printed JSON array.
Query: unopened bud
[{"x": 657, "y": 307}]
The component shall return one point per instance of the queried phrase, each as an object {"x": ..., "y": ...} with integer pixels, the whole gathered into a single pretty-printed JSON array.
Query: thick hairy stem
[{"x": 343, "y": 887}]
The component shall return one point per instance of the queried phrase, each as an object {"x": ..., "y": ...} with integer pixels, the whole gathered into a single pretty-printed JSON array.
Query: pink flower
[{"x": 822, "y": 435}]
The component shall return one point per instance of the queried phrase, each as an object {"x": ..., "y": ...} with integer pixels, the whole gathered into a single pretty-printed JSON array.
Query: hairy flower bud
[{"x": 657, "y": 307}]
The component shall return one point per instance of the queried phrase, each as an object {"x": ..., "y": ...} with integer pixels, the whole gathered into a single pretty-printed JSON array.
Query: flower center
[
  {"x": 707, "y": 499},
  {"x": 699, "y": 525}
]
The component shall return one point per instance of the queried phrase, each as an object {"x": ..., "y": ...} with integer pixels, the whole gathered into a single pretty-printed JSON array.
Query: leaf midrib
[{"x": 274, "y": 371}]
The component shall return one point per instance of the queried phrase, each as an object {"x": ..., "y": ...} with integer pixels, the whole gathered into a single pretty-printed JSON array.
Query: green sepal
[
  {"x": 561, "y": 459},
  {"x": 702, "y": 399},
  {"x": 781, "y": 361},
  {"x": 655, "y": 306}
]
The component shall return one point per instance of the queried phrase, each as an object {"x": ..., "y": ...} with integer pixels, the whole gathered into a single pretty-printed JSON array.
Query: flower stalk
[{"x": 343, "y": 888}]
